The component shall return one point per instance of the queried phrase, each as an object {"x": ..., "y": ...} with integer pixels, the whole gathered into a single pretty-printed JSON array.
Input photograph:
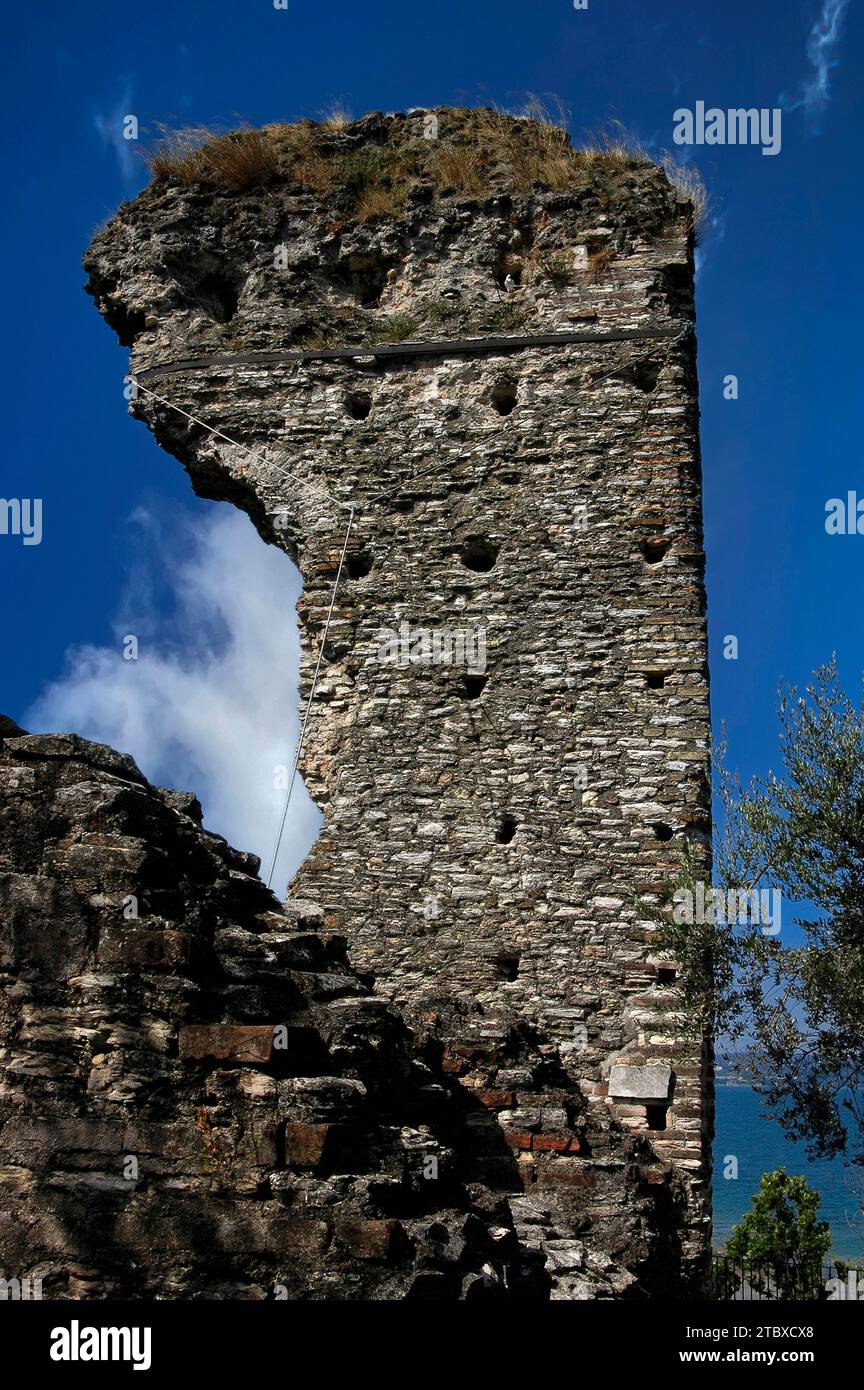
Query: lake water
[{"x": 745, "y": 1130}]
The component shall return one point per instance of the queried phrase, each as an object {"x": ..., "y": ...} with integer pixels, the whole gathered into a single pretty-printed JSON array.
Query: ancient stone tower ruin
[{"x": 450, "y": 362}]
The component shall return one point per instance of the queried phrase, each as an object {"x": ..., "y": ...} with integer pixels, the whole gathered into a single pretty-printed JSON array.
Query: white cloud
[
  {"x": 110, "y": 129},
  {"x": 712, "y": 234},
  {"x": 821, "y": 44},
  {"x": 210, "y": 705}
]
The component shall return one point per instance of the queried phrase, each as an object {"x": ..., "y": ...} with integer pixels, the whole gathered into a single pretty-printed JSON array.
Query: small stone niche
[
  {"x": 472, "y": 687},
  {"x": 358, "y": 404},
  {"x": 359, "y": 564},
  {"x": 478, "y": 555},
  {"x": 655, "y": 1116},
  {"x": 644, "y": 375},
  {"x": 509, "y": 261},
  {"x": 219, "y": 296},
  {"x": 506, "y": 965},
  {"x": 506, "y": 830},
  {"x": 363, "y": 277},
  {"x": 654, "y": 548},
  {"x": 504, "y": 397}
]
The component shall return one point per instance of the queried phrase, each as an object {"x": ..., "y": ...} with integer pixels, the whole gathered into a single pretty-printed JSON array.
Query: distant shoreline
[{"x": 748, "y": 1143}]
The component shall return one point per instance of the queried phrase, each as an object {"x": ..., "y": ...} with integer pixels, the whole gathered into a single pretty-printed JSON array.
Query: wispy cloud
[
  {"x": 210, "y": 705},
  {"x": 713, "y": 233},
  {"x": 821, "y": 47},
  {"x": 110, "y": 128}
]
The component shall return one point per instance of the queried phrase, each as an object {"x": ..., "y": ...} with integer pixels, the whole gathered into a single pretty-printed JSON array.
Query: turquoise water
[{"x": 746, "y": 1130}]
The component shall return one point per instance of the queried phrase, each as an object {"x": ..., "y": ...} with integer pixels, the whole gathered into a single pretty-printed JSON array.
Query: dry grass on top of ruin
[{"x": 370, "y": 167}]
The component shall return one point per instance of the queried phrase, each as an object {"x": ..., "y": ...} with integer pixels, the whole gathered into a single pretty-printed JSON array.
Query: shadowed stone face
[
  {"x": 509, "y": 728},
  {"x": 198, "y": 1094}
]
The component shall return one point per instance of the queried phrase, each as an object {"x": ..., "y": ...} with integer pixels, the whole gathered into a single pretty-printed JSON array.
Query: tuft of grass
[
  {"x": 688, "y": 184},
  {"x": 380, "y": 202},
  {"x": 529, "y": 142},
  {"x": 534, "y": 142},
  {"x": 303, "y": 157},
  {"x": 394, "y": 329},
  {"x": 614, "y": 148},
  {"x": 458, "y": 167},
  {"x": 336, "y": 116},
  {"x": 557, "y": 267},
  {"x": 377, "y": 178},
  {"x": 362, "y": 169},
  {"x": 244, "y": 158},
  {"x": 315, "y": 341},
  {"x": 480, "y": 148},
  {"x": 599, "y": 259},
  {"x": 504, "y": 318},
  {"x": 442, "y": 310},
  {"x": 317, "y": 172}
]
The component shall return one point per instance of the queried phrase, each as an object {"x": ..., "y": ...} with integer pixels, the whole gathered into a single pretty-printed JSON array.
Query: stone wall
[
  {"x": 491, "y": 822},
  {"x": 200, "y": 1096}
]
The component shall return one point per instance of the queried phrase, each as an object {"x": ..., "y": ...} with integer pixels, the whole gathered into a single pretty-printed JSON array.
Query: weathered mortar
[{"x": 483, "y": 847}]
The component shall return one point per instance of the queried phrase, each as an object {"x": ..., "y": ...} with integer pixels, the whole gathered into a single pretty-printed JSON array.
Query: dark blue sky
[{"x": 778, "y": 291}]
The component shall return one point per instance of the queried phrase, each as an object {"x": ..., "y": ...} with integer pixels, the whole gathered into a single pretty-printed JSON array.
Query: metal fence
[{"x": 746, "y": 1281}]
